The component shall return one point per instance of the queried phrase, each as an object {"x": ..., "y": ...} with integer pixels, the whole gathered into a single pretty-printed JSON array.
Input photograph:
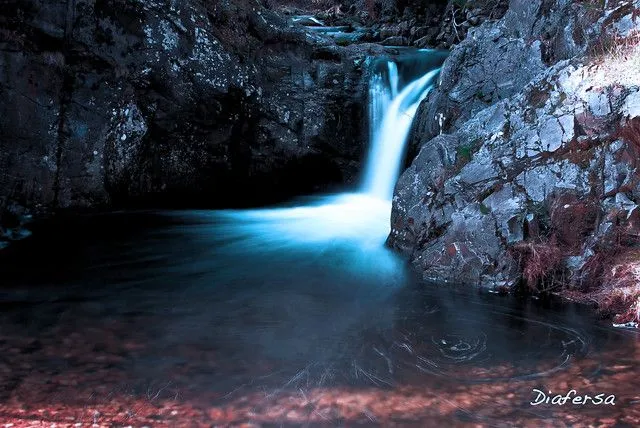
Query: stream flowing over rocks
[{"x": 528, "y": 148}]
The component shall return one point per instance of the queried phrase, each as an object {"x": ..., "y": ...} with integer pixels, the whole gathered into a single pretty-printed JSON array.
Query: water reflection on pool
[{"x": 296, "y": 315}]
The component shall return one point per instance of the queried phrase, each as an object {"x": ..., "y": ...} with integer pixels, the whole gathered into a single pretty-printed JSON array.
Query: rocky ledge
[{"x": 527, "y": 171}]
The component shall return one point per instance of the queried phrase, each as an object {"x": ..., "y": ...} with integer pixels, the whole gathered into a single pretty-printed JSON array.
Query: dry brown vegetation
[
  {"x": 539, "y": 260},
  {"x": 622, "y": 295},
  {"x": 611, "y": 276},
  {"x": 615, "y": 57},
  {"x": 631, "y": 132},
  {"x": 613, "y": 283},
  {"x": 570, "y": 221}
]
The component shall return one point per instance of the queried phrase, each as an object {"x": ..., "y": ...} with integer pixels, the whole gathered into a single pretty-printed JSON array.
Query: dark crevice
[{"x": 66, "y": 93}]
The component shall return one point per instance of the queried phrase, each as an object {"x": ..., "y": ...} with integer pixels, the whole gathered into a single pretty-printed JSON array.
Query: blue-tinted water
[{"x": 224, "y": 308}]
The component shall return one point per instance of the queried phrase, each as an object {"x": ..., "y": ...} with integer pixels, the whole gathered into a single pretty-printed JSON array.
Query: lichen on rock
[{"x": 545, "y": 127}]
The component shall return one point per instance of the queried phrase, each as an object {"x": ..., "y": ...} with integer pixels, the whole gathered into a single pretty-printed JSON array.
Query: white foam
[{"x": 391, "y": 119}]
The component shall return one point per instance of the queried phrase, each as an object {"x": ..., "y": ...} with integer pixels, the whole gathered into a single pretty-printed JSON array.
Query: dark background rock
[{"x": 172, "y": 103}]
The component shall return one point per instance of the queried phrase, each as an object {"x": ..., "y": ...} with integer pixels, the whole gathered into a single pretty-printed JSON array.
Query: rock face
[
  {"x": 167, "y": 101},
  {"x": 528, "y": 148},
  {"x": 498, "y": 59}
]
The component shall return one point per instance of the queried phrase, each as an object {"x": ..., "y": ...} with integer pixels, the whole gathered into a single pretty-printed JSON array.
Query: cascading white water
[
  {"x": 382, "y": 90},
  {"x": 391, "y": 116},
  {"x": 353, "y": 225}
]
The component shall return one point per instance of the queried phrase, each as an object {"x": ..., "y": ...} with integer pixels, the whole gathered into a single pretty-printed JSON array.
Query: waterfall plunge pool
[{"x": 286, "y": 316}]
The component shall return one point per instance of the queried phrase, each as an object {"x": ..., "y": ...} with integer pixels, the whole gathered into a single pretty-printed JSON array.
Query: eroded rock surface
[
  {"x": 527, "y": 164},
  {"x": 153, "y": 101}
]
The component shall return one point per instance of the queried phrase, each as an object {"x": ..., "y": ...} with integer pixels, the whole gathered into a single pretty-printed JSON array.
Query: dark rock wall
[{"x": 171, "y": 102}]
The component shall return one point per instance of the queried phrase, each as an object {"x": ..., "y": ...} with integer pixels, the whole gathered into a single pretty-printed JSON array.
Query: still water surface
[{"x": 295, "y": 315}]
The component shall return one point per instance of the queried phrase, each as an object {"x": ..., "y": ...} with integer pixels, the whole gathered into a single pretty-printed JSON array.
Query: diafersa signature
[{"x": 572, "y": 397}]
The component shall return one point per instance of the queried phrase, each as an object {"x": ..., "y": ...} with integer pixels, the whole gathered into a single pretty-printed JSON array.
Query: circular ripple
[{"x": 468, "y": 341}]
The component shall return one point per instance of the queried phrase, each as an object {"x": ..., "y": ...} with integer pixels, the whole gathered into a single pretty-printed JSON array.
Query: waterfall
[
  {"x": 382, "y": 90},
  {"x": 391, "y": 115},
  {"x": 354, "y": 224}
]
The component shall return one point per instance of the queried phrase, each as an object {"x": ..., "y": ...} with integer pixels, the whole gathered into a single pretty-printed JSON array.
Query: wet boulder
[{"x": 536, "y": 187}]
